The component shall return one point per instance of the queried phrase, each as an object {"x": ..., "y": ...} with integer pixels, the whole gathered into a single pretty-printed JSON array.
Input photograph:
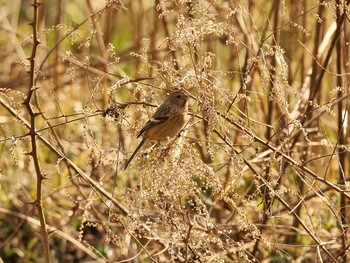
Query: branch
[{"x": 33, "y": 135}]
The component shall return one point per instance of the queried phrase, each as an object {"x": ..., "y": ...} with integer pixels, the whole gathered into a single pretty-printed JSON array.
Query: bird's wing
[{"x": 161, "y": 114}]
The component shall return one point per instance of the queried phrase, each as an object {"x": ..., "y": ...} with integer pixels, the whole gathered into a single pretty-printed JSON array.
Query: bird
[{"x": 166, "y": 123}]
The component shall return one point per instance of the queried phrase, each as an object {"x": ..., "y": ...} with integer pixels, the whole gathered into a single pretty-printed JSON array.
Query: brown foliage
[{"x": 260, "y": 173}]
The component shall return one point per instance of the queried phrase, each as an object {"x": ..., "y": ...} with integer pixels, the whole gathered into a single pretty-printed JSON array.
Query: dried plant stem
[
  {"x": 316, "y": 78},
  {"x": 33, "y": 135},
  {"x": 167, "y": 32},
  {"x": 269, "y": 116},
  {"x": 342, "y": 110},
  {"x": 58, "y": 20}
]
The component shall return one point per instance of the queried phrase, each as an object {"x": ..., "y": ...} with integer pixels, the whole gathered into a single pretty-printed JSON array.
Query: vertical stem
[
  {"x": 336, "y": 35},
  {"x": 292, "y": 239},
  {"x": 270, "y": 109},
  {"x": 159, "y": 5},
  {"x": 32, "y": 133},
  {"x": 342, "y": 141},
  {"x": 270, "y": 106},
  {"x": 58, "y": 20},
  {"x": 315, "y": 66}
]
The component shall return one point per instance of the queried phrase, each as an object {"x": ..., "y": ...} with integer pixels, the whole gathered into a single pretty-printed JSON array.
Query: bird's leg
[{"x": 145, "y": 154}]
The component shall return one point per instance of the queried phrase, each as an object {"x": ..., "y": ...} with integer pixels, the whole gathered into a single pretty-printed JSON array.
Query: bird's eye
[{"x": 178, "y": 96}]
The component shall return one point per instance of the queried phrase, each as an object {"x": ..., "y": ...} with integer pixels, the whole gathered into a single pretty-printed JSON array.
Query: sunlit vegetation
[{"x": 259, "y": 174}]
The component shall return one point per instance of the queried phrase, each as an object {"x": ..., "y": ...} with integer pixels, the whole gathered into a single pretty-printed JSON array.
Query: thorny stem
[{"x": 32, "y": 132}]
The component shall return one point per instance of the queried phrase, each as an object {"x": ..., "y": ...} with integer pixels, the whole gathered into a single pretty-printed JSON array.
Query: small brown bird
[{"x": 167, "y": 121}]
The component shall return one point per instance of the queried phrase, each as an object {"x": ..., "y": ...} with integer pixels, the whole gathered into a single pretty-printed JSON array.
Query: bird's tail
[{"x": 134, "y": 153}]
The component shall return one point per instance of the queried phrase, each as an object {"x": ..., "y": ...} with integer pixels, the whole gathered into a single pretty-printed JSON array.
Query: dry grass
[{"x": 260, "y": 174}]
